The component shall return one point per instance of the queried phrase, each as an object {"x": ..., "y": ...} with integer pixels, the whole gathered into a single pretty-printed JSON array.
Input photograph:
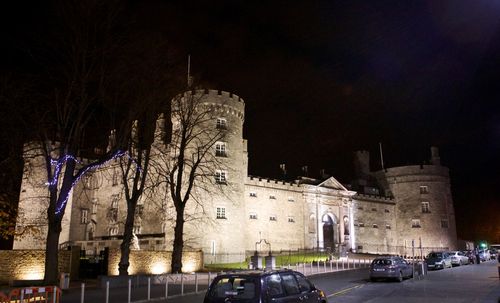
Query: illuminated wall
[
  {"x": 28, "y": 264},
  {"x": 154, "y": 262}
]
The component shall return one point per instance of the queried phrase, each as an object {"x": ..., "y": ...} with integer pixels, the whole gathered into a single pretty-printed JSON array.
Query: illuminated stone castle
[{"x": 384, "y": 211}]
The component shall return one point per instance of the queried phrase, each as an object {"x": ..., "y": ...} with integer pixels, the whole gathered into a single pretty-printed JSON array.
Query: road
[{"x": 469, "y": 283}]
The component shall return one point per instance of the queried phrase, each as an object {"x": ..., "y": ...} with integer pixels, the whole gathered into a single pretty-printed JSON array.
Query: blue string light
[{"x": 61, "y": 161}]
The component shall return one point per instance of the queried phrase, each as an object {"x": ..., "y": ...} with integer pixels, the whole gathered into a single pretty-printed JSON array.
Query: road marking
[{"x": 344, "y": 291}]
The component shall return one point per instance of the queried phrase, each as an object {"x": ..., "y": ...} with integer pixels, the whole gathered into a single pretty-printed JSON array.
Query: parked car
[
  {"x": 458, "y": 258},
  {"x": 484, "y": 255},
  {"x": 493, "y": 254},
  {"x": 390, "y": 268},
  {"x": 436, "y": 260},
  {"x": 263, "y": 286},
  {"x": 470, "y": 256}
]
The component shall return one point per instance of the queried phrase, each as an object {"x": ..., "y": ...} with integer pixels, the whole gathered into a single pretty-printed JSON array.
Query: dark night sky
[{"x": 322, "y": 79}]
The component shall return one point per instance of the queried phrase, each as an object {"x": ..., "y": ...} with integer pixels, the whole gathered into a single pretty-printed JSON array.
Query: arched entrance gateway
[{"x": 329, "y": 232}]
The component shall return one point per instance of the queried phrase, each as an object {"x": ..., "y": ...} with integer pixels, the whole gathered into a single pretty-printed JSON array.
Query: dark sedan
[{"x": 390, "y": 268}]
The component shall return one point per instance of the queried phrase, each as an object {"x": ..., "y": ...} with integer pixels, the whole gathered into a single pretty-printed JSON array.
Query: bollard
[
  {"x": 182, "y": 284},
  {"x": 208, "y": 280},
  {"x": 343, "y": 264},
  {"x": 107, "y": 291},
  {"x": 331, "y": 267},
  {"x": 337, "y": 264},
  {"x": 129, "y": 290},
  {"x": 324, "y": 266},
  {"x": 82, "y": 298},
  {"x": 195, "y": 282},
  {"x": 166, "y": 287},
  {"x": 149, "y": 288}
]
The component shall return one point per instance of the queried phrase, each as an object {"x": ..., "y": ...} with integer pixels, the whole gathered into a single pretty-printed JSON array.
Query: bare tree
[
  {"x": 189, "y": 167},
  {"x": 75, "y": 66}
]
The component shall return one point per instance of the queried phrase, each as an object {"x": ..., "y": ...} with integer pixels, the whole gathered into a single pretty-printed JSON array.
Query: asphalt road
[{"x": 469, "y": 283}]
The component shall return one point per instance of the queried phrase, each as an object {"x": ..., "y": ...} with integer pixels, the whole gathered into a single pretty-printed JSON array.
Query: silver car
[
  {"x": 390, "y": 268},
  {"x": 458, "y": 258}
]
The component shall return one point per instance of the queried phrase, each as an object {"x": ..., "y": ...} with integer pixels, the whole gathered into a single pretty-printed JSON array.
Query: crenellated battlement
[
  {"x": 222, "y": 101},
  {"x": 271, "y": 183}
]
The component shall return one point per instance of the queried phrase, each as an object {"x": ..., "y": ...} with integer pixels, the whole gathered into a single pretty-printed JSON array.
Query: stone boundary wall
[
  {"x": 28, "y": 264},
  {"x": 154, "y": 262}
]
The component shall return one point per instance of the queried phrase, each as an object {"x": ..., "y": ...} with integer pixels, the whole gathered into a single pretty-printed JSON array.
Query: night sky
[{"x": 322, "y": 79}]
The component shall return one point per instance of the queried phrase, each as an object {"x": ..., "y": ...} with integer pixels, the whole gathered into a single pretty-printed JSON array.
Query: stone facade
[{"x": 379, "y": 212}]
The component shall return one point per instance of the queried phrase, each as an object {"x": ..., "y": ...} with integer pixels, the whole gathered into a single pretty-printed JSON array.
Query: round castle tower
[
  {"x": 424, "y": 205},
  {"x": 222, "y": 206}
]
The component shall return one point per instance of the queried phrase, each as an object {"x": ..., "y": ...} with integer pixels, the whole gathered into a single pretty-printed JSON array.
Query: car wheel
[
  {"x": 400, "y": 277},
  {"x": 373, "y": 279},
  {"x": 460, "y": 263}
]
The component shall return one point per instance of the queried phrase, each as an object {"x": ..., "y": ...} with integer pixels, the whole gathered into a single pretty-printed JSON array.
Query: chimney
[{"x": 435, "y": 160}]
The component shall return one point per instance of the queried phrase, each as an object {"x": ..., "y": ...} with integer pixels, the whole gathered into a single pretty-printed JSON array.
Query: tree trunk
[
  {"x": 52, "y": 253},
  {"x": 178, "y": 242},
  {"x": 127, "y": 239}
]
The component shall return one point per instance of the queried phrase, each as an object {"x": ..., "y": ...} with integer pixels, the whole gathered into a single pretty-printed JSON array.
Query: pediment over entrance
[{"x": 332, "y": 183}]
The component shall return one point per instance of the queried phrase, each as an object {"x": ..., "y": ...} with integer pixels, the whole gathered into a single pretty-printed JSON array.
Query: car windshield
[
  {"x": 435, "y": 255},
  {"x": 242, "y": 289},
  {"x": 382, "y": 262}
]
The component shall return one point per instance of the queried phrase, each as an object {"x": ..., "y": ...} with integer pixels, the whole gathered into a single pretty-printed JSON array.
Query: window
[
  {"x": 291, "y": 199},
  {"x": 374, "y": 209},
  {"x": 361, "y": 224},
  {"x": 387, "y": 211},
  {"x": 220, "y": 176},
  {"x": 137, "y": 229},
  {"x": 387, "y": 226},
  {"x": 139, "y": 209},
  {"x": 444, "y": 223},
  {"x": 415, "y": 223},
  {"x": 84, "y": 218},
  {"x": 221, "y": 123},
  {"x": 113, "y": 231},
  {"x": 274, "y": 288},
  {"x": 220, "y": 149},
  {"x": 290, "y": 284},
  {"x": 94, "y": 205},
  {"x": 425, "y": 207},
  {"x": 253, "y": 194},
  {"x": 304, "y": 285},
  {"x": 424, "y": 190},
  {"x": 115, "y": 177},
  {"x": 291, "y": 219},
  {"x": 312, "y": 224},
  {"x": 114, "y": 201},
  {"x": 273, "y": 218},
  {"x": 375, "y": 225},
  {"x": 360, "y": 207},
  {"x": 253, "y": 216},
  {"x": 272, "y": 197},
  {"x": 221, "y": 213}
]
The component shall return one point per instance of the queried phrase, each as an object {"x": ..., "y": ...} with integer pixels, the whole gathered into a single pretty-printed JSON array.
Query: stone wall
[
  {"x": 28, "y": 264},
  {"x": 154, "y": 262}
]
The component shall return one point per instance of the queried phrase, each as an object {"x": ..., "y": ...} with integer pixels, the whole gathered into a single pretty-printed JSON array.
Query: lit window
[
  {"x": 220, "y": 149},
  {"x": 291, "y": 219},
  {"x": 424, "y": 190},
  {"x": 253, "y": 216},
  {"x": 425, "y": 207},
  {"x": 221, "y": 123},
  {"x": 253, "y": 194},
  {"x": 291, "y": 199},
  {"x": 272, "y": 197},
  {"x": 444, "y": 223},
  {"x": 273, "y": 218},
  {"x": 220, "y": 176},
  {"x": 415, "y": 223},
  {"x": 84, "y": 219},
  {"x": 221, "y": 213}
]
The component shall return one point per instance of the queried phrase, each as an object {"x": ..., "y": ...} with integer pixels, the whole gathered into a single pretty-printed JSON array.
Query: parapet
[{"x": 267, "y": 182}]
